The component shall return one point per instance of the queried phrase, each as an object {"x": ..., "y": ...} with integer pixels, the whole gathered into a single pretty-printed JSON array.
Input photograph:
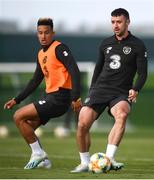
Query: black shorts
[
  {"x": 108, "y": 103},
  {"x": 53, "y": 105}
]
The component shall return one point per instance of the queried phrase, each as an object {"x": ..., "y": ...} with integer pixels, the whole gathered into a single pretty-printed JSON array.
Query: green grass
[{"x": 136, "y": 151}]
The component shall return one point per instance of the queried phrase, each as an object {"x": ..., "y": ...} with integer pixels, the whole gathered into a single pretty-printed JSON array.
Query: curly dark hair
[
  {"x": 45, "y": 21},
  {"x": 119, "y": 12}
]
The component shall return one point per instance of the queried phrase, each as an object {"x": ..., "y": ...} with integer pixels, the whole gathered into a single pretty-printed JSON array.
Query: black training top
[
  {"x": 38, "y": 76},
  {"x": 117, "y": 65}
]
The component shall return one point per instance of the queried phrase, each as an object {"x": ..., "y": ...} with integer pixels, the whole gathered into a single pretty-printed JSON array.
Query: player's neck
[
  {"x": 119, "y": 38},
  {"x": 45, "y": 47}
]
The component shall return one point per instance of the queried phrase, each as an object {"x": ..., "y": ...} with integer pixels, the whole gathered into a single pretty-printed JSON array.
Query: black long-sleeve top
[{"x": 117, "y": 65}]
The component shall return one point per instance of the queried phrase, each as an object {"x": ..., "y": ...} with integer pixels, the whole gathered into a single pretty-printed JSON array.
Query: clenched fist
[{"x": 76, "y": 105}]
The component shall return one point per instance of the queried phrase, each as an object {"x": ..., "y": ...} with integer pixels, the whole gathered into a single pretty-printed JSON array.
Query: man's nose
[{"x": 43, "y": 36}]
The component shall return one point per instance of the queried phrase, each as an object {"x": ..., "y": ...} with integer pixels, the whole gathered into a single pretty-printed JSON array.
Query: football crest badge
[{"x": 127, "y": 50}]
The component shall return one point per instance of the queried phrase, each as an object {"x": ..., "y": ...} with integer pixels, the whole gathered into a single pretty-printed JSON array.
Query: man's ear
[{"x": 128, "y": 21}]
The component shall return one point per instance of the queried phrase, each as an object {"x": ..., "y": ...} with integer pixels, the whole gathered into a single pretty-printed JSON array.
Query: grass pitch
[{"x": 136, "y": 152}]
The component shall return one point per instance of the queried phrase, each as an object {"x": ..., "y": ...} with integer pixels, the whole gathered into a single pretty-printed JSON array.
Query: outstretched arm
[
  {"x": 98, "y": 67},
  {"x": 64, "y": 55},
  {"x": 141, "y": 62},
  {"x": 31, "y": 86}
]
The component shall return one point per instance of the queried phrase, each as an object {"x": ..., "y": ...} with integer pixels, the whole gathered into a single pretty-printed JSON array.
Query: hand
[
  {"x": 10, "y": 104},
  {"x": 76, "y": 105},
  {"x": 132, "y": 95}
]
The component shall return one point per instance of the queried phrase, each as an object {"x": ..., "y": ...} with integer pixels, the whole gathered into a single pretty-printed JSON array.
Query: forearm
[
  {"x": 98, "y": 67},
  {"x": 142, "y": 71},
  {"x": 31, "y": 86},
  {"x": 140, "y": 81},
  {"x": 142, "y": 68},
  {"x": 72, "y": 68}
]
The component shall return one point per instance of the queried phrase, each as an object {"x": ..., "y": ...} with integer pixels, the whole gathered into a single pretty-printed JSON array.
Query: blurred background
[{"x": 82, "y": 25}]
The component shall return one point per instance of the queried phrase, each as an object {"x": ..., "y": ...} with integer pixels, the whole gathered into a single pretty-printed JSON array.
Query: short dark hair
[
  {"x": 119, "y": 12},
  {"x": 45, "y": 21}
]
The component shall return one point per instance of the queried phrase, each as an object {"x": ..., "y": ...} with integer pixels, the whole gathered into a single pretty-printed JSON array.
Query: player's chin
[
  {"x": 44, "y": 43},
  {"x": 117, "y": 33}
]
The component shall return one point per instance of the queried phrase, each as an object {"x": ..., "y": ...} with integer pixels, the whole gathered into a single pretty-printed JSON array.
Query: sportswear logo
[
  {"x": 108, "y": 50},
  {"x": 42, "y": 102},
  {"x": 145, "y": 54},
  {"x": 44, "y": 59},
  {"x": 126, "y": 50},
  {"x": 87, "y": 100},
  {"x": 65, "y": 53}
]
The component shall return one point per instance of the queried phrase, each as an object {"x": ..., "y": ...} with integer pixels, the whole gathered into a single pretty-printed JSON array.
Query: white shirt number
[{"x": 115, "y": 63}]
